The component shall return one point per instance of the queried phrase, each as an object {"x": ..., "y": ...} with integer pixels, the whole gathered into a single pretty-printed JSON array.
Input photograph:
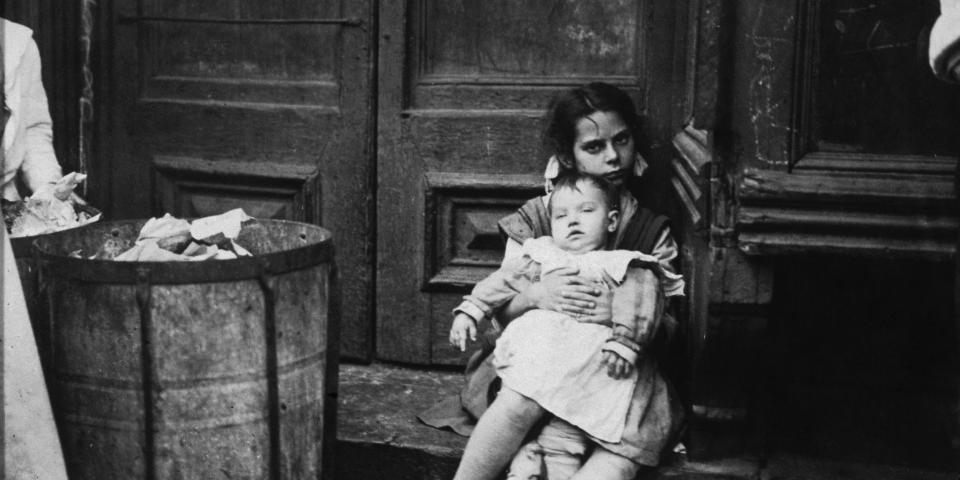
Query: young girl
[
  {"x": 579, "y": 371},
  {"x": 590, "y": 129}
]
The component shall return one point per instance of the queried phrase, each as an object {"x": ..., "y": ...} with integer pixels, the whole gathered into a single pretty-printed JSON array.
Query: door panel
[
  {"x": 462, "y": 89},
  {"x": 244, "y": 103}
]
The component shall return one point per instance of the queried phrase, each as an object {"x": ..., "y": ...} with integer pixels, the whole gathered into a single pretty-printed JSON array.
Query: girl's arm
[
  {"x": 666, "y": 252},
  {"x": 514, "y": 275},
  {"x": 564, "y": 291},
  {"x": 561, "y": 290},
  {"x": 636, "y": 308},
  {"x": 639, "y": 304}
]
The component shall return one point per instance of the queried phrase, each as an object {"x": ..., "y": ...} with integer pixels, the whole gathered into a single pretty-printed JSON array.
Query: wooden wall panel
[
  {"x": 463, "y": 241},
  {"x": 267, "y": 105},
  {"x": 762, "y": 81},
  {"x": 843, "y": 136},
  {"x": 291, "y": 63},
  {"x": 530, "y": 39},
  {"x": 191, "y": 187},
  {"x": 507, "y": 56}
]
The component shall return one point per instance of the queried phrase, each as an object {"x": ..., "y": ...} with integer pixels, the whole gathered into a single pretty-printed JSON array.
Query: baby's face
[{"x": 580, "y": 219}]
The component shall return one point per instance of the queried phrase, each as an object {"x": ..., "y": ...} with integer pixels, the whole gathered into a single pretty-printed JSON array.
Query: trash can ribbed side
[
  {"x": 212, "y": 369},
  {"x": 29, "y": 269}
]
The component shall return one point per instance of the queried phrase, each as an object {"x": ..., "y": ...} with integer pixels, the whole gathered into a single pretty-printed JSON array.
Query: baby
[{"x": 579, "y": 370}]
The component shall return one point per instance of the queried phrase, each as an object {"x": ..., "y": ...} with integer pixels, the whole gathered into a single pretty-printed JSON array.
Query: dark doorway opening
[{"x": 866, "y": 361}]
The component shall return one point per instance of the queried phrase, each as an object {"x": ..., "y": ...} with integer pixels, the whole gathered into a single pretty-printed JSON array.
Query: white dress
[
  {"x": 28, "y": 136},
  {"x": 556, "y": 361}
]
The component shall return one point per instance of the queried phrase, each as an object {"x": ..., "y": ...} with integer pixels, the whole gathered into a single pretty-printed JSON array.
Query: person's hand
[
  {"x": 617, "y": 367},
  {"x": 602, "y": 308},
  {"x": 564, "y": 291},
  {"x": 464, "y": 327}
]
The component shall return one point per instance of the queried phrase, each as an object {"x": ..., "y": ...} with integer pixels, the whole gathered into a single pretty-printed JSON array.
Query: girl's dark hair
[{"x": 568, "y": 107}]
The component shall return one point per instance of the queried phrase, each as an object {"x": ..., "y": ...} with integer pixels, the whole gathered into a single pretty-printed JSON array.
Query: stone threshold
[{"x": 379, "y": 436}]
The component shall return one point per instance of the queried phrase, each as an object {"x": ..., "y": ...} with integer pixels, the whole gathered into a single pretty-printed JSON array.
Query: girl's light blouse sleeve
[
  {"x": 514, "y": 276},
  {"x": 666, "y": 252}
]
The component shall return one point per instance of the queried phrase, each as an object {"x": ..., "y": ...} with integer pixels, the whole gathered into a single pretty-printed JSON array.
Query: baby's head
[{"x": 584, "y": 211}]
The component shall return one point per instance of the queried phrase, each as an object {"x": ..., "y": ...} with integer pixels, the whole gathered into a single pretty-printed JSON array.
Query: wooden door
[
  {"x": 243, "y": 103},
  {"x": 819, "y": 134},
  {"x": 462, "y": 89}
]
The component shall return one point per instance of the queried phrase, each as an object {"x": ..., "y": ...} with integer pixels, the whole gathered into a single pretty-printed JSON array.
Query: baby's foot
[{"x": 527, "y": 464}]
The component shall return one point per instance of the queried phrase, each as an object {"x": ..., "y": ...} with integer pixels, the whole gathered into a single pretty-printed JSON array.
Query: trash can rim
[{"x": 112, "y": 271}]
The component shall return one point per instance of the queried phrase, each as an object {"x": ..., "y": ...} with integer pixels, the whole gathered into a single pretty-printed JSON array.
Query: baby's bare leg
[{"x": 498, "y": 435}]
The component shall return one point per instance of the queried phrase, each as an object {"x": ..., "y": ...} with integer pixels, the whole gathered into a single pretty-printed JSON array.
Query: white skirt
[{"x": 557, "y": 362}]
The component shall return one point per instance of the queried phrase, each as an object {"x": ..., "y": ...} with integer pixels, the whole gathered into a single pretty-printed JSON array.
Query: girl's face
[
  {"x": 580, "y": 219},
  {"x": 604, "y": 147}
]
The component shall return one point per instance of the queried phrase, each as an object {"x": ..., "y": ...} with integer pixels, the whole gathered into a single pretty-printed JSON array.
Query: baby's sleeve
[
  {"x": 636, "y": 308},
  {"x": 498, "y": 288}
]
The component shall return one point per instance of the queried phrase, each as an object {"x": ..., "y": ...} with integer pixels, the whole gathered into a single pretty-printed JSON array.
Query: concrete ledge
[{"x": 379, "y": 436}]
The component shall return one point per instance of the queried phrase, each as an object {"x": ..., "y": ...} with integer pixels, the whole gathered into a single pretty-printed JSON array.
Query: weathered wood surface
[
  {"x": 244, "y": 106},
  {"x": 833, "y": 149},
  {"x": 825, "y": 211},
  {"x": 692, "y": 171}
]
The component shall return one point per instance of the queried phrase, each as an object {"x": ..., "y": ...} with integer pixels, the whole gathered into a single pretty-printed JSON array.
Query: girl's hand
[
  {"x": 617, "y": 367},
  {"x": 602, "y": 310},
  {"x": 564, "y": 291},
  {"x": 464, "y": 326}
]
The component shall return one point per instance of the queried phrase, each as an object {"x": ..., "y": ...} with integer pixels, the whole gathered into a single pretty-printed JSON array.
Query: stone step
[
  {"x": 378, "y": 434},
  {"x": 379, "y": 437}
]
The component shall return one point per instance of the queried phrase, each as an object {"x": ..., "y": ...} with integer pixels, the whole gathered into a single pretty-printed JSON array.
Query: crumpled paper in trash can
[
  {"x": 50, "y": 209},
  {"x": 169, "y": 238}
]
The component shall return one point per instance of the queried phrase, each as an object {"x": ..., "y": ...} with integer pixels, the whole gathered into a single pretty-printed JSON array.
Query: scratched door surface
[
  {"x": 244, "y": 103},
  {"x": 462, "y": 88}
]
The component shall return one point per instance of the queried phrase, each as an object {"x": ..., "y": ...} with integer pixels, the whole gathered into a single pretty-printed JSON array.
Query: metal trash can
[
  {"x": 211, "y": 369},
  {"x": 28, "y": 266}
]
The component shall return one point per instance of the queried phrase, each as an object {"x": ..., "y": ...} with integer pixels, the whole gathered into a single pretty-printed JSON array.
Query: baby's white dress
[{"x": 555, "y": 360}]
